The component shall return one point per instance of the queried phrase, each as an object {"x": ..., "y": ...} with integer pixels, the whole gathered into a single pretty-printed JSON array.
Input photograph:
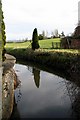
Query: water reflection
[
  {"x": 17, "y": 97},
  {"x": 36, "y": 73},
  {"x": 74, "y": 94},
  {"x": 72, "y": 88},
  {"x": 49, "y": 98},
  {"x": 15, "y": 113}
]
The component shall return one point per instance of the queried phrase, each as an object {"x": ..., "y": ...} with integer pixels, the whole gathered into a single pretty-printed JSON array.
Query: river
[{"x": 42, "y": 94}]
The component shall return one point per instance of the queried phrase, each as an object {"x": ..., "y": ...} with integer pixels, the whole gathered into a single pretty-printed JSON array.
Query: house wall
[
  {"x": 75, "y": 44},
  {"x": 79, "y": 11}
]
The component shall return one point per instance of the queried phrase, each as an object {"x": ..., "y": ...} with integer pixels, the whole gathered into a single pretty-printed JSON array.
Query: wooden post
[
  {"x": 56, "y": 45},
  {"x": 52, "y": 45}
]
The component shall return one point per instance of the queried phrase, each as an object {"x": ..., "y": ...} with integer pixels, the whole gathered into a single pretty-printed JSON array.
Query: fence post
[
  {"x": 56, "y": 45},
  {"x": 52, "y": 45}
]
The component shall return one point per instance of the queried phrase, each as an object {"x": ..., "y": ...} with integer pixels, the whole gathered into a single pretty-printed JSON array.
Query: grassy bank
[
  {"x": 43, "y": 44},
  {"x": 56, "y": 59}
]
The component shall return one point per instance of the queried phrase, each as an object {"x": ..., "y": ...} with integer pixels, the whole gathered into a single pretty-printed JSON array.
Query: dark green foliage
[
  {"x": 63, "y": 61},
  {"x": 40, "y": 37},
  {"x": 35, "y": 44},
  {"x": 62, "y": 34},
  {"x": 3, "y": 36}
]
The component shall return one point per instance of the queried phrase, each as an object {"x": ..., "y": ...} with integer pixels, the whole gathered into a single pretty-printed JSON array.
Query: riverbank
[
  {"x": 62, "y": 60},
  {"x": 8, "y": 76}
]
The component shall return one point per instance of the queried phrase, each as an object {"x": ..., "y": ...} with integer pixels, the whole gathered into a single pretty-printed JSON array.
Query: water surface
[{"x": 42, "y": 95}]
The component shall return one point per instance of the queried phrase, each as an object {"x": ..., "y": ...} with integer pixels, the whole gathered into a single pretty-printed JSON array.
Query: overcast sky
[{"x": 22, "y": 16}]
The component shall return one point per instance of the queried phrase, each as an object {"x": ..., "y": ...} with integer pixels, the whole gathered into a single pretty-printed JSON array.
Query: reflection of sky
[{"x": 49, "y": 100}]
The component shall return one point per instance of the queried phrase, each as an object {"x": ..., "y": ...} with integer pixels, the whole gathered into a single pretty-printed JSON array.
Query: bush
[{"x": 40, "y": 37}]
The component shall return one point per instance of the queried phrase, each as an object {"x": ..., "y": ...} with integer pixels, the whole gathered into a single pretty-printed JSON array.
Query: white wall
[{"x": 79, "y": 11}]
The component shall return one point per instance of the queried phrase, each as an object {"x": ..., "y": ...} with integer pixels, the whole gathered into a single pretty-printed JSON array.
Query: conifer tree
[{"x": 35, "y": 43}]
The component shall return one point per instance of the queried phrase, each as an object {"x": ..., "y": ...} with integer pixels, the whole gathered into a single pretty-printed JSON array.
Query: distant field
[
  {"x": 17, "y": 45},
  {"x": 48, "y": 43},
  {"x": 43, "y": 44}
]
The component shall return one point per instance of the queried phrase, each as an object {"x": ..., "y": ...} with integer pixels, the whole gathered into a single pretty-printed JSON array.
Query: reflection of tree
[
  {"x": 74, "y": 94},
  {"x": 29, "y": 68},
  {"x": 74, "y": 86},
  {"x": 36, "y": 73}
]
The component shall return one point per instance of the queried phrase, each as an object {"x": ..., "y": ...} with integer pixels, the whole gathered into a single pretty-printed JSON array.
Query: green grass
[
  {"x": 17, "y": 45},
  {"x": 43, "y": 44},
  {"x": 48, "y": 42}
]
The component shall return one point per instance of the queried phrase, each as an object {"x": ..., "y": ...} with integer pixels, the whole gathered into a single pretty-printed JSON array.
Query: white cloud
[{"x": 45, "y": 14}]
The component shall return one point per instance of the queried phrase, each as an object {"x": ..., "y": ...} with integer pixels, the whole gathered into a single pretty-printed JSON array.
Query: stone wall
[
  {"x": 7, "y": 93},
  {"x": 8, "y": 76}
]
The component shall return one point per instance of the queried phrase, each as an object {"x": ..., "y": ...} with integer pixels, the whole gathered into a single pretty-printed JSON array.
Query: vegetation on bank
[
  {"x": 56, "y": 59},
  {"x": 2, "y": 32}
]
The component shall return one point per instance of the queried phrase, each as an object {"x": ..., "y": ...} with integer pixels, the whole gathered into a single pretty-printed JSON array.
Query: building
[
  {"x": 73, "y": 41},
  {"x": 79, "y": 12}
]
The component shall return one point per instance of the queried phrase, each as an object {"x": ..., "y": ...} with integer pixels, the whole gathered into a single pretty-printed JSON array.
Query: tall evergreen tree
[
  {"x": 35, "y": 43},
  {"x": 2, "y": 31}
]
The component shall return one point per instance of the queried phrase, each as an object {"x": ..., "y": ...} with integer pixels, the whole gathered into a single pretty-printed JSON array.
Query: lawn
[
  {"x": 17, "y": 45},
  {"x": 48, "y": 43},
  {"x": 43, "y": 44}
]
